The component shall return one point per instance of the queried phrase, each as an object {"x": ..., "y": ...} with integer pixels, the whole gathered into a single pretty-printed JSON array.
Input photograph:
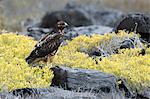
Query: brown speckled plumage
[{"x": 48, "y": 45}]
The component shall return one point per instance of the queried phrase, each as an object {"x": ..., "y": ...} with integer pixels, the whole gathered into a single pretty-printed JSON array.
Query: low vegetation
[
  {"x": 128, "y": 64},
  {"x": 14, "y": 71}
]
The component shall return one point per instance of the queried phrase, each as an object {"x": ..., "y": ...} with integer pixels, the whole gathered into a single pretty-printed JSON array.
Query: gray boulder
[
  {"x": 56, "y": 93},
  {"x": 46, "y": 93},
  {"x": 88, "y": 80}
]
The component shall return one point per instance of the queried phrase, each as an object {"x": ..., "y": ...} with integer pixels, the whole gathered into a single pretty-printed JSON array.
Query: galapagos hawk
[{"x": 47, "y": 47}]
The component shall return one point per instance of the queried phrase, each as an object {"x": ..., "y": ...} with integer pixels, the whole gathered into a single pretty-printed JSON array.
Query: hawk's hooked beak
[{"x": 66, "y": 25}]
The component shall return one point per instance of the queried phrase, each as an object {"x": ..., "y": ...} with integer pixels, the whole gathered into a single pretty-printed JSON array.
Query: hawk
[{"x": 47, "y": 46}]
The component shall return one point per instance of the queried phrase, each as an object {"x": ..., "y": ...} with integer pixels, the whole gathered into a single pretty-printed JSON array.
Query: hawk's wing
[{"x": 47, "y": 45}]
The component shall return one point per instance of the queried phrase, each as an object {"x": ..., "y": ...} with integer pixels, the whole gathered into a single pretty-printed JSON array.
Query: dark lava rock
[
  {"x": 129, "y": 43},
  {"x": 99, "y": 52},
  {"x": 73, "y": 17},
  {"x": 25, "y": 92},
  {"x": 58, "y": 93},
  {"x": 84, "y": 20},
  {"x": 37, "y": 32},
  {"x": 76, "y": 83},
  {"x": 106, "y": 17},
  {"x": 136, "y": 22},
  {"x": 98, "y": 15},
  {"x": 47, "y": 93},
  {"x": 95, "y": 51},
  {"x": 145, "y": 94},
  {"x": 88, "y": 80},
  {"x": 87, "y": 30},
  {"x": 122, "y": 85},
  {"x": 81, "y": 15}
]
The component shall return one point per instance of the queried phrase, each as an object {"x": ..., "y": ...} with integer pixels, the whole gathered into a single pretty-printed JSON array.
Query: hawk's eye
[{"x": 62, "y": 24}]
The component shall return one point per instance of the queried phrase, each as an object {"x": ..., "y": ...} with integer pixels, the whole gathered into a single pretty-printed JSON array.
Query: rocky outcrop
[
  {"x": 69, "y": 83},
  {"x": 129, "y": 43},
  {"x": 76, "y": 84},
  {"x": 82, "y": 20},
  {"x": 79, "y": 15},
  {"x": 56, "y": 93},
  {"x": 74, "y": 17},
  {"x": 88, "y": 80},
  {"x": 144, "y": 94},
  {"x": 99, "y": 15},
  {"x": 87, "y": 30},
  {"x": 37, "y": 32},
  {"x": 140, "y": 23},
  {"x": 46, "y": 93}
]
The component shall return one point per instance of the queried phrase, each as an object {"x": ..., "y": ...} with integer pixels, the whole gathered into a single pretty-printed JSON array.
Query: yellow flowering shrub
[
  {"x": 130, "y": 65},
  {"x": 14, "y": 71},
  {"x": 127, "y": 64}
]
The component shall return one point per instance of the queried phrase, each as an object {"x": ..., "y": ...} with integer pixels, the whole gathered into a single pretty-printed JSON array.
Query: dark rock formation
[
  {"x": 77, "y": 15},
  {"x": 144, "y": 94},
  {"x": 57, "y": 93},
  {"x": 98, "y": 15},
  {"x": 73, "y": 17},
  {"x": 88, "y": 80},
  {"x": 129, "y": 43},
  {"x": 122, "y": 85},
  {"x": 78, "y": 84},
  {"x": 87, "y": 30},
  {"x": 136, "y": 22},
  {"x": 37, "y": 32},
  {"x": 25, "y": 92},
  {"x": 95, "y": 51},
  {"x": 46, "y": 93}
]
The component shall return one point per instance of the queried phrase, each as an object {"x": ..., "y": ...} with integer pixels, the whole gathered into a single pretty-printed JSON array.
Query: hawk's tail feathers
[{"x": 29, "y": 59}]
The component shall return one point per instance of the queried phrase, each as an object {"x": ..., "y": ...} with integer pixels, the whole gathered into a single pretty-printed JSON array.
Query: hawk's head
[{"x": 61, "y": 25}]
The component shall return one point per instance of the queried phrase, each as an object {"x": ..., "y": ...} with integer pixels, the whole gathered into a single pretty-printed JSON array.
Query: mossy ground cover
[{"x": 15, "y": 72}]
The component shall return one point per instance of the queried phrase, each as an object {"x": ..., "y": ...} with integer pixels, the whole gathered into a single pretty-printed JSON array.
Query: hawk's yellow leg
[{"x": 50, "y": 60}]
